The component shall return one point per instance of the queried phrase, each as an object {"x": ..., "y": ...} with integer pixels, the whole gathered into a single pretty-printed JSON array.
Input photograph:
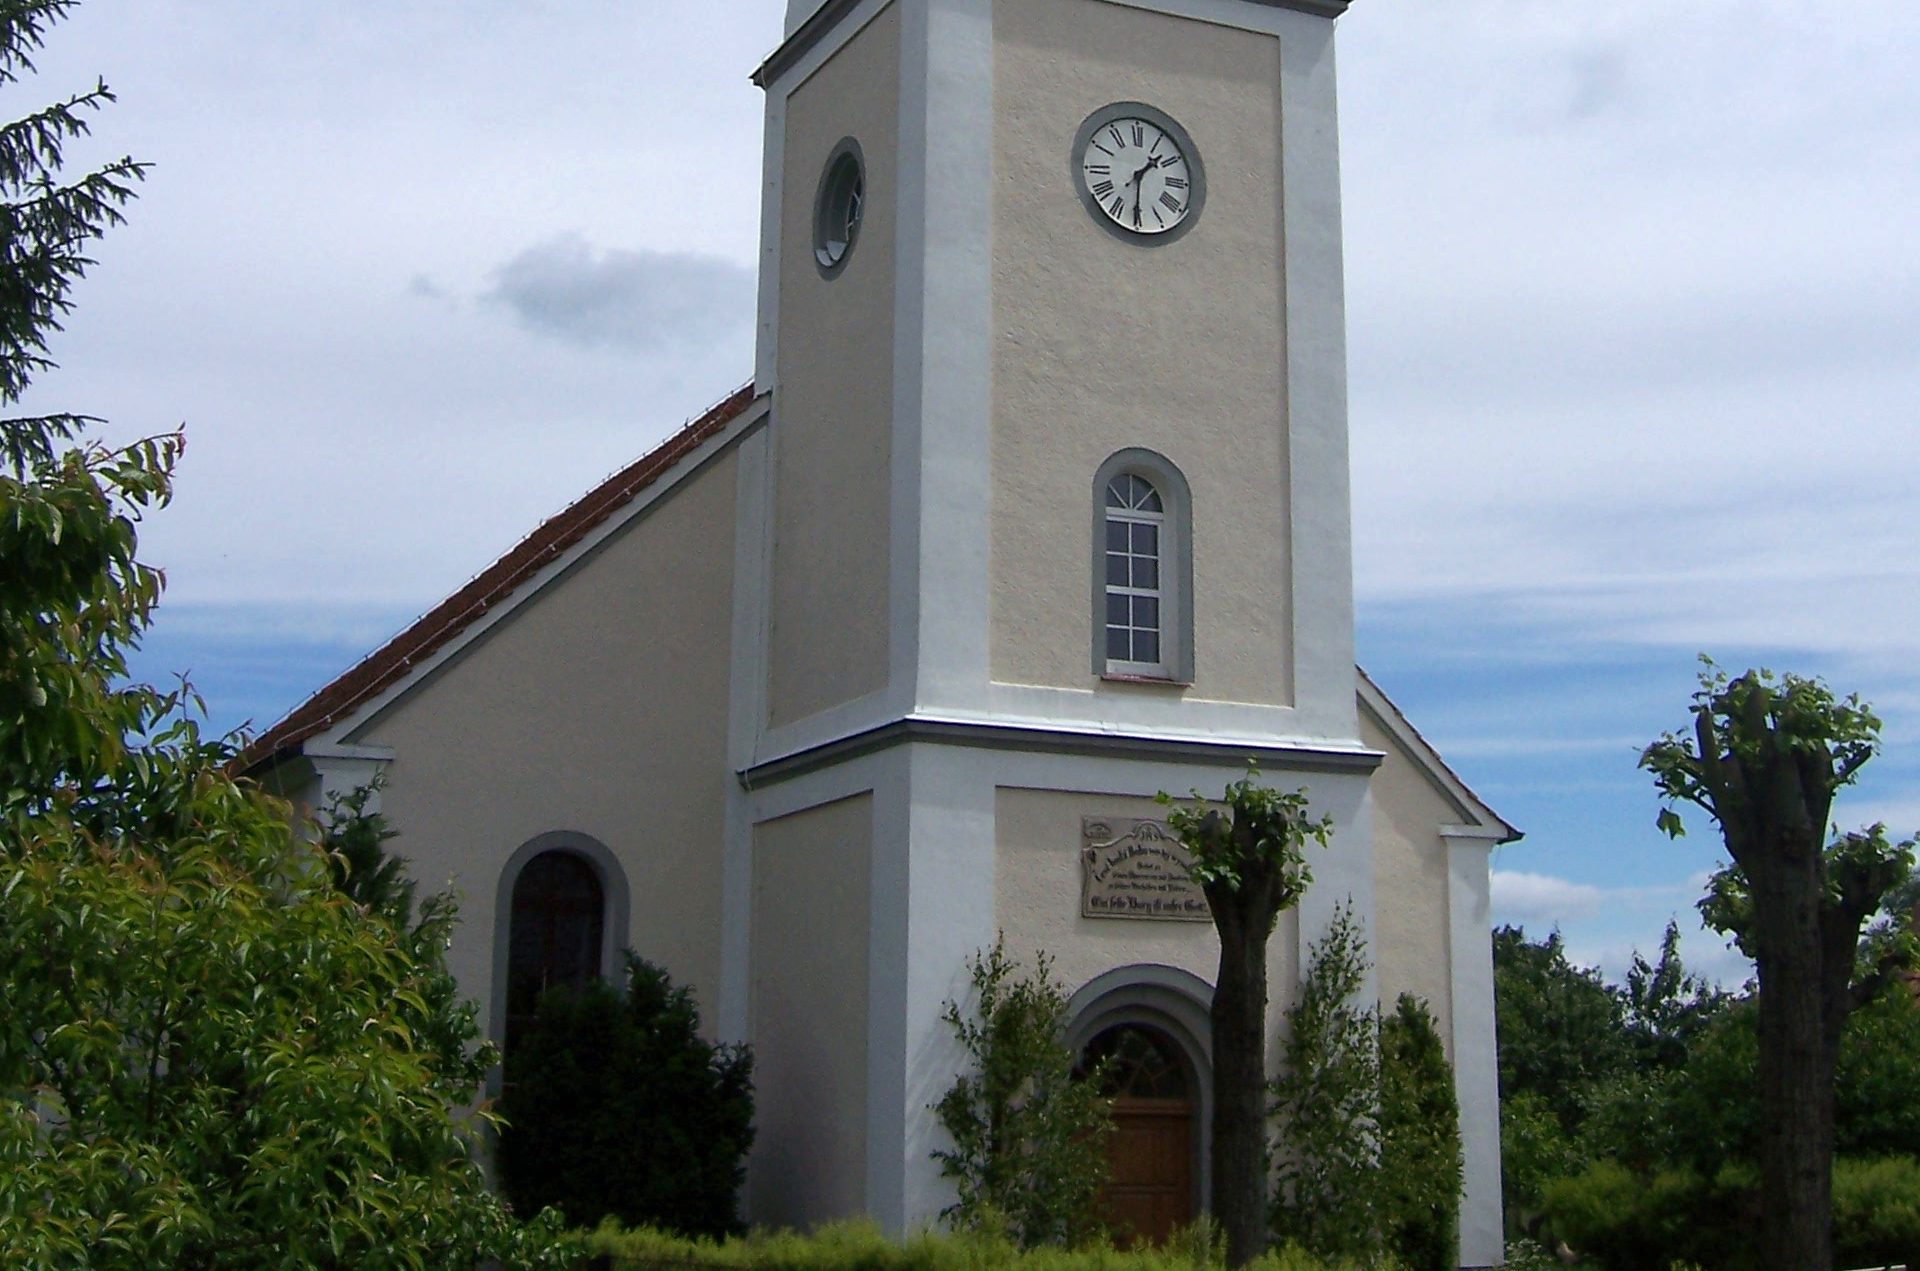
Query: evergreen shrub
[
  {"x": 617, "y": 1108},
  {"x": 1420, "y": 1166}
]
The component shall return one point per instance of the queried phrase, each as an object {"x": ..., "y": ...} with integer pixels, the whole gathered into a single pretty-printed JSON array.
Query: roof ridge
[{"x": 432, "y": 630}]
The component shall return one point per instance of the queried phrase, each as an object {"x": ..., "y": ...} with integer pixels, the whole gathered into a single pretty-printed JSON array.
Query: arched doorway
[{"x": 1153, "y": 1150}]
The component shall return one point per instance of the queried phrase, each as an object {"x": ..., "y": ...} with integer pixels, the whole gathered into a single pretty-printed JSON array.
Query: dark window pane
[
  {"x": 1117, "y": 570},
  {"x": 1146, "y": 540},
  {"x": 1117, "y": 492},
  {"x": 555, "y": 931},
  {"x": 1117, "y": 644},
  {"x": 1116, "y": 536},
  {"x": 1150, "y": 500},
  {"x": 1146, "y": 613},
  {"x": 1146, "y": 573},
  {"x": 1116, "y": 610},
  {"x": 1146, "y": 646}
]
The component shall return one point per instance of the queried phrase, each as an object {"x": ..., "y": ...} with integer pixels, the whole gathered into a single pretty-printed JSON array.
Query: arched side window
[
  {"x": 1142, "y": 569},
  {"x": 560, "y": 918}
]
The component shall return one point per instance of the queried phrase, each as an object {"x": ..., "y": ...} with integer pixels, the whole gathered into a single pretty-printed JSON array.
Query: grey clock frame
[
  {"x": 1196, "y": 203},
  {"x": 828, "y": 192}
]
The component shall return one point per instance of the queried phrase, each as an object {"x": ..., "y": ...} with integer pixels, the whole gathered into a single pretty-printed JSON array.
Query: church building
[{"x": 1037, "y": 505}]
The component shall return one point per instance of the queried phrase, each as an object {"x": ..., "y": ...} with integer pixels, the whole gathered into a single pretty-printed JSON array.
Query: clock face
[{"x": 1137, "y": 172}]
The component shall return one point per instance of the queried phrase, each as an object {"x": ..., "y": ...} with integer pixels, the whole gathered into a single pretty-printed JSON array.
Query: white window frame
[{"x": 1175, "y": 592}]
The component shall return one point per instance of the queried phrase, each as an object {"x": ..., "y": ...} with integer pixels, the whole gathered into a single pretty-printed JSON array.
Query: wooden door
[{"x": 1151, "y": 1153}]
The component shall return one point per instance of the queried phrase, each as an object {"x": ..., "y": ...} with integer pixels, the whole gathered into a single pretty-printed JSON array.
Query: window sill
[{"x": 1162, "y": 681}]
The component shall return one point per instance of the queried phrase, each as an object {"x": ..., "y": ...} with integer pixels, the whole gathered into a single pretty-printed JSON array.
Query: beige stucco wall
[
  {"x": 1410, "y": 879},
  {"x": 833, "y": 406},
  {"x": 1037, "y": 899},
  {"x": 1101, "y": 344},
  {"x": 809, "y": 1014},
  {"x": 598, "y": 708}
]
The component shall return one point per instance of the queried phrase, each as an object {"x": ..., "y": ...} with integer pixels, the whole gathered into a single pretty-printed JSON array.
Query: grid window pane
[
  {"x": 1146, "y": 612},
  {"x": 1117, "y": 536},
  {"x": 1117, "y": 612},
  {"x": 1146, "y": 646},
  {"x": 1118, "y": 647},
  {"x": 1117, "y": 571},
  {"x": 1146, "y": 540},
  {"x": 1146, "y": 573}
]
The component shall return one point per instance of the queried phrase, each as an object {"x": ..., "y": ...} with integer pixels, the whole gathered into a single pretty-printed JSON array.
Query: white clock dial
[{"x": 1137, "y": 174}]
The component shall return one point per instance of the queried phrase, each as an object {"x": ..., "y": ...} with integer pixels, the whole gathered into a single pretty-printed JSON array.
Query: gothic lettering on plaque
[{"x": 1136, "y": 869}]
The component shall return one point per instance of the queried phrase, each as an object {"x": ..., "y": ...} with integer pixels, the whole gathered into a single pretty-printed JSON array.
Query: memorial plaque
[{"x": 1136, "y": 869}]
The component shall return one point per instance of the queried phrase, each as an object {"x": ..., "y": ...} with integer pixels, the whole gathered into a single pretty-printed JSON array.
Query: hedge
[
  {"x": 1625, "y": 1221},
  {"x": 861, "y": 1247}
]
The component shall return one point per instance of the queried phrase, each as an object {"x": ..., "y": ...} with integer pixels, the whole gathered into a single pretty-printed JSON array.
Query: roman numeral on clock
[
  {"x": 1102, "y": 190},
  {"x": 1172, "y": 204}
]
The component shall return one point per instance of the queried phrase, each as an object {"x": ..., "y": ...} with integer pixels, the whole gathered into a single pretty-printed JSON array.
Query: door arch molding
[{"x": 1173, "y": 1002}]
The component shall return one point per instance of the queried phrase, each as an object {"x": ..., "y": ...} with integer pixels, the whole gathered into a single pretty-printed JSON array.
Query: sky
[{"x": 1634, "y": 323}]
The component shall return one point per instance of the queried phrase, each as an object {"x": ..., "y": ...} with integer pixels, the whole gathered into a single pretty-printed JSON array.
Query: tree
[
  {"x": 1765, "y": 759},
  {"x": 208, "y": 1056},
  {"x": 1560, "y": 1026},
  {"x": 616, "y": 1107},
  {"x": 1250, "y": 863},
  {"x": 1029, "y": 1139}
]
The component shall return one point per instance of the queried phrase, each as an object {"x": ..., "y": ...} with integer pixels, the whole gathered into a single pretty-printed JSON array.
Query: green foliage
[
  {"x": 1559, "y": 1026},
  {"x": 1367, "y": 1129},
  {"x": 1326, "y": 1104},
  {"x": 1534, "y": 1150},
  {"x": 1876, "y": 1211},
  {"x": 1420, "y": 1175},
  {"x": 208, "y": 1056},
  {"x": 616, "y": 1107},
  {"x": 355, "y": 840},
  {"x": 1264, "y": 828},
  {"x": 1624, "y": 1221},
  {"x": 861, "y": 1247},
  {"x": 1029, "y": 1140},
  {"x": 1665, "y": 1006}
]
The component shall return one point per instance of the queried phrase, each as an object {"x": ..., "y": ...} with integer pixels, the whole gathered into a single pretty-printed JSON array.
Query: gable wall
[
  {"x": 597, "y": 707},
  {"x": 1410, "y": 878}
]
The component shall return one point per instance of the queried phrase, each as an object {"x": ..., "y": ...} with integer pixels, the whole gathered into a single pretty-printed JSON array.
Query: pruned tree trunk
[
  {"x": 1798, "y": 1053},
  {"x": 1245, "y": 921}
]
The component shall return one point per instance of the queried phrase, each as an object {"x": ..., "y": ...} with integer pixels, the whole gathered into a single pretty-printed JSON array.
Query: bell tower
[{"x": 1052, "y": 513}]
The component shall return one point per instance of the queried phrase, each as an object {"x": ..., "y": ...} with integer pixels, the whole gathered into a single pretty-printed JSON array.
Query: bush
[
  {"x": 1876, "y": 1211},
  {"x": 1326, "y": 1102},
  {"x": 1420, "y": 1166},
  {"x": 1029, "y": 1141},
  {"x": 861, "y": 1247},
  {"x": 616, "y": 1107}
]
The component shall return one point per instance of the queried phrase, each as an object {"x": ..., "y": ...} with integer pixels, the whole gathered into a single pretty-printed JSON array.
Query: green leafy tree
[
  {"x": 616, "y": 1107},
  {"x": 1029, "y": 1138},
  {"x": 208, "y": 1056},
  {"x": 1251, "y": 864},
  {"x": 1765, "y": 758},
  {"x": 1559, "y": 1026},
  {"x": 1665, "y": 1007}
]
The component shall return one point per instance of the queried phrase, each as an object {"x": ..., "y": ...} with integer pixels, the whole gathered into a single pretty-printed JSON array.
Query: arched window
[
  {"x": 1142, "y": 570},
  {"x": 557, "y": 932}
]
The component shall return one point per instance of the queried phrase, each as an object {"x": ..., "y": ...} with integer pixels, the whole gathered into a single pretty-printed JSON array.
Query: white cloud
[
  {"x": 642, "y": 300},
  {"x": 1539, "y": 899}
]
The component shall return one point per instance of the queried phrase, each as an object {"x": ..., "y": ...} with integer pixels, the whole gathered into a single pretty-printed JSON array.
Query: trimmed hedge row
[
  {"x": 861, "y": 1247},
  {"x": 1625, "y": 1221}
]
